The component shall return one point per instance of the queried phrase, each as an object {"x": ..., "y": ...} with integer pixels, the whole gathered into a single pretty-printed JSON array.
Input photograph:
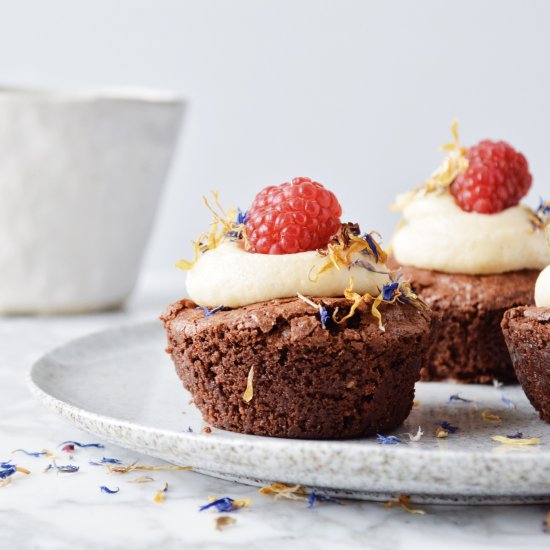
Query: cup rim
[{"x": 110, "y": 93}]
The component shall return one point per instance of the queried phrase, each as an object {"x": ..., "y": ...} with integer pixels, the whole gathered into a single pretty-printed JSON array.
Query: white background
[{"x": 356, "y": 94}]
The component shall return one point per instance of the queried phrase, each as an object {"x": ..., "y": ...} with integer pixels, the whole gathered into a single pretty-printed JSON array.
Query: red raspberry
[
  {"x": 497, "y": 177},
  {"x": 292, "y": 217}
]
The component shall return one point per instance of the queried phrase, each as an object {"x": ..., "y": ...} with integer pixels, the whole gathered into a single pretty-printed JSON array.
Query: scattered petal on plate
[
  {"x": 515, "y": 441},
  {"x": 78, "y": 444},
  {"x": 388, "y": 440},
  {"x": 160, "y": 495},
  {"x": 456, "y": 397},
  {"x": 105, "y": 489},
  {"x": 280, "y": 490},
  {"x": 403, "y": 501},
  {"x": 144, "y": 479},
  {"x": 417, "y": 436},
  {"x": 491, "y": 417},
  {"x": 223, "y": 521},
  {"x": 320, "y": 497},
  {"x": 226, "y": 504}
]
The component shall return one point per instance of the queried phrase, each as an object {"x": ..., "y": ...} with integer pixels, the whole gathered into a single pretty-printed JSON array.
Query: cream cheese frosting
[
  {"x": 228, "y": 275},
  {"x": 438, "y": 235},
  {"x": 542, "y": 288}
]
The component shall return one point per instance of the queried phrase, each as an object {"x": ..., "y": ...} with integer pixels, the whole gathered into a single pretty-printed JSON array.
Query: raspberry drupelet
[
  {"x": 497, "y": 178},
  {"x": 292, "y": 217}
]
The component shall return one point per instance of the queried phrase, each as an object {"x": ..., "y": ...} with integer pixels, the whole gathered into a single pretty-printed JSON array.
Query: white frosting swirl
[
  {"x": 230, "y": 276},
  {"x": 439, "y": 235},
  {"x": 542, "y": 288}
]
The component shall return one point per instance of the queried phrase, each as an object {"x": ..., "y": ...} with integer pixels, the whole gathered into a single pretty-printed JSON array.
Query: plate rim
[{"x": 198, "y": 443}]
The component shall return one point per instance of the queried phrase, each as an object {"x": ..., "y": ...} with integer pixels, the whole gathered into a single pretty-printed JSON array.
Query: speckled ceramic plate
[{"x": 121, "y": 386}]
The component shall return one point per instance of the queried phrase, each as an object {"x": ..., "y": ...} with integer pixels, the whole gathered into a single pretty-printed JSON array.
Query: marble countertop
[{"x": 58, "y": 511}]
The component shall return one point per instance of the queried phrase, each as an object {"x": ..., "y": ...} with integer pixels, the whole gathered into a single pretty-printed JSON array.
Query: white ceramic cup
[{"x": 80, "y": 178}]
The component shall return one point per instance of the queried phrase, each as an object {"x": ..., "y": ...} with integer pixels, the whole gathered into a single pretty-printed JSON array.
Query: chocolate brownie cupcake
[
  {"x": 527, "y": 333},
  {"x": 305, "y": 381},
  {"x": 467, "y": 344},
  {"x": 297, "y": 327},
  {"x": 472, "y": 252}
]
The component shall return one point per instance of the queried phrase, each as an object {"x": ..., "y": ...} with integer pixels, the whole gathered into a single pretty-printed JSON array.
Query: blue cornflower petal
[
  {"x": 7, "y": 472},
  {"x": 320, "y": 497},
  {"x": 324, "y": 316},
  {"x": 242, "y": 217},
  {"x": 105, "y": 460},
  {"x": 447, "y": 426},
  {"x": 222, "y": 505},
  {"x": 208, "y": 312},
  {"x": 388, "y": 440},
  {"x": 105, "y": 489},
  {"x": 372, "y": 246},
  {"x": 456, "y": 397},
  {"x": 36, "y": 454},
  {"x": 389, "y": 290},
  {"x": 96, "y": 445},
  {"x": 509, "y": 403}
]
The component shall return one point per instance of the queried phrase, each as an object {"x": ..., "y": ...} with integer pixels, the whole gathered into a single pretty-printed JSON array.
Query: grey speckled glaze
[{"x": 120, "y": 385}]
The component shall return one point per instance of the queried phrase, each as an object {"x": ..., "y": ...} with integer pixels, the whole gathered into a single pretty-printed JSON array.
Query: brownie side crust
[
  {"x": 349, "y": 380},
  {"x": 527, "y": 334},
  {"x": 467, "y": 343}
]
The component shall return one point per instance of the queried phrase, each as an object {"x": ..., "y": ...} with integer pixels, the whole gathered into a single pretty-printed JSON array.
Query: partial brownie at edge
[
  {"x": 527, "y": 333},
  {"x": 349, "y": 380}
]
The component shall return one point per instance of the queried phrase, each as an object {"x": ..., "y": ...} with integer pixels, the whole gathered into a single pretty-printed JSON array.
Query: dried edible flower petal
[
  {"x": 388, "y": 440},
  {"x": 223, "y": 521},
  {"x": 517, "y": 435},
  {"x": 116, "y": 469},
  {"x": 403, "y": 501},
  {"x": 324, "y": 316},
  {"x": 447, "y": 426},
  {"x": 491, "y": 417},
  {"x": 320, "y": 497},
  {"x": 160, "y": 495},
  {"x": 209, "y": 312},
  {"x": 392, "y": 292},
  {"x": 226, "y": 504},
  {"x": 249, "y": 391},
  {"x": 454, "y": 164},
  {"x": 281, "y": 490},
  {"x": 105, "y": 460},
  {"x": 35, "y": 454},
  {"x": 417, "y": 436},
  {"x": 143, "y": 479},
  {"x": 8, "y": 471},
  {"x": 83, "y": 445},
  {"x": 66, "y": 469},
  {"x": 441, "y": 433},
  {"x": 515, "y": 441},
  {"x": 105, "y": 489},
  {"x": 510, "y": 404},
  {"x": 540, "y": 218},
  {"x": 456, "y": 397},
  {"x": 226, "y": 225}
]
